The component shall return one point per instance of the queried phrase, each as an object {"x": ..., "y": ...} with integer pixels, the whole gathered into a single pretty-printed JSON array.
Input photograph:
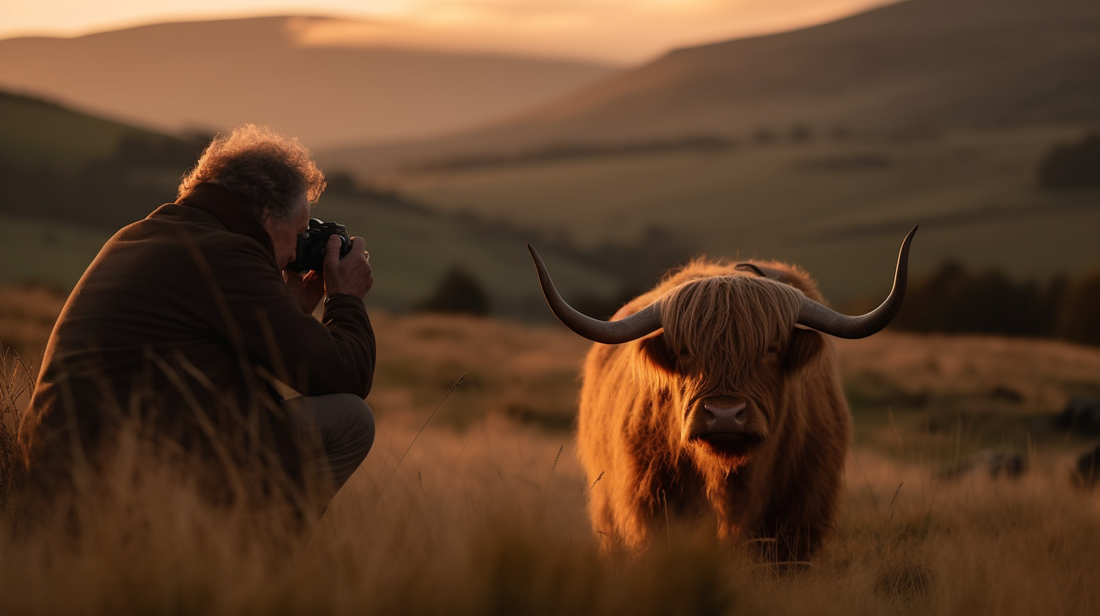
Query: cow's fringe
[{"x": 729, "y": 323}]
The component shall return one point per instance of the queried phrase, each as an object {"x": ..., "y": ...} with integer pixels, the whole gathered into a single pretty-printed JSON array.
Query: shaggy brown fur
[{"x": 727, "y": 335}]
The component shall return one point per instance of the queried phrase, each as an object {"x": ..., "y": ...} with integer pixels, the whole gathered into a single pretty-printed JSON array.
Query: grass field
[
  {"x": 839, "y": 208},
  {"x": 411, "y": 250},
  {"x": 479, "y": 507},
  {"x": 53, "y": 253}
]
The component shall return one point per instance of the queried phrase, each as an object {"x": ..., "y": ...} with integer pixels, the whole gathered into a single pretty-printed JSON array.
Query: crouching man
[{"x": 187, "y": 320}]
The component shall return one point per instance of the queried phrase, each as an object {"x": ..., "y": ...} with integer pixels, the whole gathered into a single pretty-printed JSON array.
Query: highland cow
[{"x": 716, "y": 396}]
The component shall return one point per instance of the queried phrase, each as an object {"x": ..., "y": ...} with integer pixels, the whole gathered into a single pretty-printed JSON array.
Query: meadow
[
  {"x": 472, "y": 501},
  {"x": 404, "y": 245},
  {"x": 838, "y": 204}
]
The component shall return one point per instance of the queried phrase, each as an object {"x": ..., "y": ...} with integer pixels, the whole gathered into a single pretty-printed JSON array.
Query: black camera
[{"x": 312, "y": 244}]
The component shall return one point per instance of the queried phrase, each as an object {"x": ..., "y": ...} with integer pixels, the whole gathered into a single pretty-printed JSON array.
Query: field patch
[
  {"x": 467, "y": 506},
  {"x": 836, "y": 207}
]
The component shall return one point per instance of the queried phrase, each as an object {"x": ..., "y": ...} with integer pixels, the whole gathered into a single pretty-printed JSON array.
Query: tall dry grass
[
  {"x": 485, "y": 512},
  {"x": 1036, "y": 375}
]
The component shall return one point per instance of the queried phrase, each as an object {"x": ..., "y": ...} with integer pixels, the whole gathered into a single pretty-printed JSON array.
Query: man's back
[{"x": 183, "y": 320}]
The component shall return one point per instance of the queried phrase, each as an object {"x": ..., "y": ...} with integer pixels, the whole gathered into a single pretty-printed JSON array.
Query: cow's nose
[{"x": 723, "y": 416}]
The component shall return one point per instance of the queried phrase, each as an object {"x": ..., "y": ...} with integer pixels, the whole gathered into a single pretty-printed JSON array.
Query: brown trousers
[{"x": 341, "y": 427}]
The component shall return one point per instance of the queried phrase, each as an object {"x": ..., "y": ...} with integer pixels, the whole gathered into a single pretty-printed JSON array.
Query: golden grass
[
  {"x": 1039, "y": 375},
  {"x": 486, "y": 512},
  {"x": 527, "y": 373},
  {"x": 938, "y": 400},
  {"x": 485, "y": 522}
]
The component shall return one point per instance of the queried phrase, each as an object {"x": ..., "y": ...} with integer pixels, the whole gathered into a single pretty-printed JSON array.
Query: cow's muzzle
[{"x": 726, "y": 423}]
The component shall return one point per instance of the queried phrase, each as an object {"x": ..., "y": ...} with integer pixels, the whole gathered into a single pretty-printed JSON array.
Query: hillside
[
  {"x": 218, "y": 74},
  {"x": 34, "y": 131},
  {"x": 69, "y": 180},
  {"x": 77, "y": 169},
  {"x": 837, "y": 207},
  {"x": 913, "y": 64},
  {"x": 897, "y": 69},
  {"x": 821, "y": 146}
]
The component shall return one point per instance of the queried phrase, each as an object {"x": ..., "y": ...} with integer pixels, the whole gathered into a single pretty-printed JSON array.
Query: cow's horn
[
  {"x": 608, "y": 332},
  {"x": 825, "y": 320}
]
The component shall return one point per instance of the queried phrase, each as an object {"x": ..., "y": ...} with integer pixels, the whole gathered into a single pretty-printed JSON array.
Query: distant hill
[
  {"x": 901, "y": 68},
  {"x": 821, "y": 146},
  {"x": 216, "y": 74}
]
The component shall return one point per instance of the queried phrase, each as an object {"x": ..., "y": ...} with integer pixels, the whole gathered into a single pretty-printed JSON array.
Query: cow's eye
[{"x": 773, "y": 349}]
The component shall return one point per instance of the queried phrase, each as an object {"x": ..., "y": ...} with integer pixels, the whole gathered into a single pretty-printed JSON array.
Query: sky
[{"x": 615, "y": 31}]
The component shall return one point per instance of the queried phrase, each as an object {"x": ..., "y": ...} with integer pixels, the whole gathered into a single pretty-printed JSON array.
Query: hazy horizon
[{"x": 595, "y": 30}]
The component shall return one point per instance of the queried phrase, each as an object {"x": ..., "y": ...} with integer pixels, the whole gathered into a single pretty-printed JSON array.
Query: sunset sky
[{"x": 622, "y": 31}]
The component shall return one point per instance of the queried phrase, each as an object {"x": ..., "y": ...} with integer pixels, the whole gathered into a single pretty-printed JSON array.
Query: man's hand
[
  {"x": 308, "y": 288},
  {"x": 352, "y": 274}
]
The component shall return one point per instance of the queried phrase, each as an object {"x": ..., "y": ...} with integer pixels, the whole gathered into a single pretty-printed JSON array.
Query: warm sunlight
[
  {"x": 278, "y": 333},
  {"x": 614, "y": 31}
]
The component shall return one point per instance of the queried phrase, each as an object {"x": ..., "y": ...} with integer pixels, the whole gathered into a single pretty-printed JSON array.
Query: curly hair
[{"x": 269, "y": 171}]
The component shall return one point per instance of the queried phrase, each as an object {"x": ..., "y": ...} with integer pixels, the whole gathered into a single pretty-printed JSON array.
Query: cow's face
[{"x": 728, "y": 347}]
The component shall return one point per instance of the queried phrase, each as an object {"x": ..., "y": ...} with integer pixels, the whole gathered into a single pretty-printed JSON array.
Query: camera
[{"x": 312, "y": 244}]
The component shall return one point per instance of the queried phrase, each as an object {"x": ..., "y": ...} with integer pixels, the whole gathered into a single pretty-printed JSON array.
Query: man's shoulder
[
  {"x": 173, "y": 245},
  {"x": 176, "y": 225}
]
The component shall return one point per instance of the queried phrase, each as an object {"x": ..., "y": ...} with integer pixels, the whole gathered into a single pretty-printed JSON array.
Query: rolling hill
[
  {"x": 821, "y": 146},
  {"x": 34, "y": 131},
  {"x": 838, "y": 208},
  {"x": 901, "y": 68},
  {"x": 218, "y": 74},
  {"x": 69, "y": 180}
]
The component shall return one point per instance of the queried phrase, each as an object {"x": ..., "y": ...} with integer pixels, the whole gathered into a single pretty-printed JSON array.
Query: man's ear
[
  {"x": 805, "y": 345},
  {"x": 659, "y": 354}
]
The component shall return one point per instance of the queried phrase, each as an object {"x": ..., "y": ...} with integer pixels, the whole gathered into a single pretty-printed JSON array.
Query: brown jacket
[{"x": 183, "y": 321}]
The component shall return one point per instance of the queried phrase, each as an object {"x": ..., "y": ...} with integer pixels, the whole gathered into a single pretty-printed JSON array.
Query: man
[{"x": 186, "y": 322}]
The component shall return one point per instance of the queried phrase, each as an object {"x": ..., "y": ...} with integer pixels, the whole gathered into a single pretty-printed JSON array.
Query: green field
[
  {"x": 35, "y": 132},
  {"x": 839, "y": 208},
  {"x": 46, "y": 251},
  {"x": 410, "y": 251}
]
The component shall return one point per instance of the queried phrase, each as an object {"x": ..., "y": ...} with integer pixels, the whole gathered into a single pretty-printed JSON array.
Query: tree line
[
  {"x": 953, "y": 299},
  {"x": 1073, "y": 165}
]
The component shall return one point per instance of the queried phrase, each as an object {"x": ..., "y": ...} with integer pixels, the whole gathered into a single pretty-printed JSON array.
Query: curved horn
[
  {"x": 825, "y": 320},
  {"x": 608, "y": 332}
]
